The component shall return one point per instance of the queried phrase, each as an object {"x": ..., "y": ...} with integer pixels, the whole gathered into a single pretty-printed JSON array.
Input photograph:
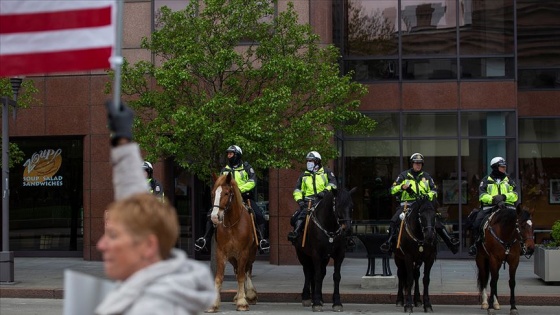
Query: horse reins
[
  {"x": 227, "y": 207},
  {"x": 411, "y": 234},
  {"x": 330, "y": 235}
]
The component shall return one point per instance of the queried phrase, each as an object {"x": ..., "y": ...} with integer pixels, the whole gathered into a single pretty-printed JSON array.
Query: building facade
[{"x": 460, "y": 81}]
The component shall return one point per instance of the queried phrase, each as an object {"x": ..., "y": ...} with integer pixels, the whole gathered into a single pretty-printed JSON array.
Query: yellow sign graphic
[{"x": 41, "y": 168}]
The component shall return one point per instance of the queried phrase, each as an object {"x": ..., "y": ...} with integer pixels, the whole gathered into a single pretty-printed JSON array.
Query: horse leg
[
  {"x": 308, "y": 272},
  {"x": 494, "y": 276},
  {"x": 401, "y": 274},
  {"x": 512, "y": 270},
  {"x": 337, "y": 305},
  {"x": 250, "y": 291},
  {"x": 408, "y": 306},
  {"x": 426, "y": 282},
  {"x": 416, "y": 298},
  {"x": 319, "y": 276},
  {"x": 241, "y": 303},
  {"x": 482, "y": 278},
  {"x": 218, "y": 280}
]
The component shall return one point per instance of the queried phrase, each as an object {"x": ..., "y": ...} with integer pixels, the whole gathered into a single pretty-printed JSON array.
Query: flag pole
[{"x": 117, "y": 60}]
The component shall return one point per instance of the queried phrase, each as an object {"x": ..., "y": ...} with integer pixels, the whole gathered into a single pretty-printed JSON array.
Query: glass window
[
  {"x": 174, "y": 5},
  {"x": 429, "y": 69},
  {"x": 539, "y": 129},
  {"x": 428, "y": 27},
  {"x": 482, "y": 124},
  {"x": 373, "y": 70},
  {"x": 487, "y": 68},
  {"x": 538, "y": 33},
  {"x": 46, "y": 198},
  {"x": 429, "y": 124},
  {"x": 371, "y": 28},
  {"x": 548, "y": 78},
  {"x": 387, "y": 125},
  {"x": 487, "y": 27}
]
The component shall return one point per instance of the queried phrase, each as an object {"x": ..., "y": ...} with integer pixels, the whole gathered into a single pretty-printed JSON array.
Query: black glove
[
  {"x": 301, "y": 203},
  {"x": 497, "y": 199},
  {"x": 321, "y": 194},
  {"x": 120, "y": 121}
]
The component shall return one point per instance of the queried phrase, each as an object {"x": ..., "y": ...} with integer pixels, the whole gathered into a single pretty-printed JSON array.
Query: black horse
[
  {"x": 418, "y": 245},
  {"x": 328, "y": 223}
]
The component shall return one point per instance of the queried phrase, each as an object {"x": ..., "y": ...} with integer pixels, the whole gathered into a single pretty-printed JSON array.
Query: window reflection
[{"x": 372, "y": 28}]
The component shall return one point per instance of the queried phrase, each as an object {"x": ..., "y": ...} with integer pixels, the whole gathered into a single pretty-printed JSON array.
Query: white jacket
[{"x": 176, "y": 286}]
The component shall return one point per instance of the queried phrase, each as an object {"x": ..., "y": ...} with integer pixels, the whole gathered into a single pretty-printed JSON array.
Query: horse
[
  {"x": 235, "y": 242},
  {"x": 507, "y": 234},
  {"x": 418, "y": 245},
  {"x": 330, "y": 221}
]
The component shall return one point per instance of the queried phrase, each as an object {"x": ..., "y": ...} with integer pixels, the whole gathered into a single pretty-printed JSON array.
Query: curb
[{"x": 348, "y": 298}]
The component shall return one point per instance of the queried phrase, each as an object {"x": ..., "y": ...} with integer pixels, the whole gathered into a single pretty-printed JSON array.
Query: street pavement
[{"x": 453, "y": 282}]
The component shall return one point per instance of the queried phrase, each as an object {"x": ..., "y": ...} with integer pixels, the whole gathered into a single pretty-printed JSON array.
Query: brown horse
[
  {"x": 418, "y": 247},
  {"x": 235, "y": 241},
  {"x": 508, "y": 234}
]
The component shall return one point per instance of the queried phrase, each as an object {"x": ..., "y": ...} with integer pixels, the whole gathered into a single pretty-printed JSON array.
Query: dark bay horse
[
  {"x": 235, "y": 241},
  {"x": 418, "y": 246},
  {"x": 329, "y": 222},
  {"x": 508, "y": 234}
]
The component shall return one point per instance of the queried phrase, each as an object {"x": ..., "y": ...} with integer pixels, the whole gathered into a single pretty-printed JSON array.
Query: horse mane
[
  {"x": 505, "y": 216},
  {"x": 223, "y": 180}
]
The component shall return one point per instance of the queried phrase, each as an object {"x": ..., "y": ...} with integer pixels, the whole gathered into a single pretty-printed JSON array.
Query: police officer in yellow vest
[
  {"x": 153, "y": 185},
  {"x": 494, "y": 190},
  {"x": 409, "y": 185},
  {"x": 246, "y": 179},
  {"x": 311, "y": 186}
]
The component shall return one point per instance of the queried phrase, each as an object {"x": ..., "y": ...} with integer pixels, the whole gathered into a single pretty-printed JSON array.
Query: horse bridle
[
  {"x": 507, "y": 245},
  {"x": 330, "y": 235},
  {"x": 227, "y": 207},
  {"x": 424, "y": 228}
]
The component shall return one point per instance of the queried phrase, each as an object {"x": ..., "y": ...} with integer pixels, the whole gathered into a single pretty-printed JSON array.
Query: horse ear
[
  {"x": 519, "y": 209},
  {"x": 353, "y": 190},
  {"x": 228, "y": 178},
  {"x": 214, "y": 177}
]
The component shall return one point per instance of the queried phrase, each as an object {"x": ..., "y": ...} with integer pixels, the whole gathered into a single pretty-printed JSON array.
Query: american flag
[{"x": 46, "y": 36}]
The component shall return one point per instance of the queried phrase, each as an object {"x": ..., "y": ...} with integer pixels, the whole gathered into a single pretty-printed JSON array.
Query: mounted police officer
[
  {"x": 153, "y": 185},
  {"x": 311, "y": 186},
  {"x": 495, "y": 190},
  {"x": 410, "y": 185},
  {"x": 246, "y": 179}
]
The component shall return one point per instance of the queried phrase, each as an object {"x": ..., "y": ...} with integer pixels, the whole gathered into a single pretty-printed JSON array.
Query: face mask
[{"x": 310, "y": 166}]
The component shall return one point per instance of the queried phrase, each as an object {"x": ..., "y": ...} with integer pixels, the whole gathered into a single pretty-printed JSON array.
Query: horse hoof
[
  {"x": 399, "y": 303},
  {"x": 484, "y": 306},
  {"x": 211, "y": 310},
  {"x": 497, "y": 306},
  {"x": 317, "y": 308},
  {"x": 417, "y": 304},
  {"x": 408, "y": 309},
  {"x": 513, "y": 312},
  {"x": 306, "y": 303},
  {"x": 428, "y": 309},
  {"x": 242, "y": 308},
  {"x": 337, "y": 308}
]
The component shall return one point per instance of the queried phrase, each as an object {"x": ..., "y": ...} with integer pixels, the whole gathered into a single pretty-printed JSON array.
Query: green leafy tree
[
  {"x": 25, "y": 98},
  {"x": 237, "y": 72}
]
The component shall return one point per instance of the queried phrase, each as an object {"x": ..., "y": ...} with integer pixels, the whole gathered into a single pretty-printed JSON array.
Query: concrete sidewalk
[{"x": 453, "y": 281}]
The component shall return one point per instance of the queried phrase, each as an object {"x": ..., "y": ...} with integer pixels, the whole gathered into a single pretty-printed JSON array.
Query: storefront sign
[{"x": 41, "y": 168}]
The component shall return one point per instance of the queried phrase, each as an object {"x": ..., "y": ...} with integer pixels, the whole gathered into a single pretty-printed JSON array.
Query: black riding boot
[
  {"x": 292, "y": 235},
  {"x": 386, "y": 247},
  {"x": 264, "y": 245},
  {"x": 200, "y": 243},
  {"x": 451, "y": 242},
  {"x": 476, "y": 240}
]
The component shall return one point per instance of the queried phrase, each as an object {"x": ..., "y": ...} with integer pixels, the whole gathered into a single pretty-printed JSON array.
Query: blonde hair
[{"x": 144, "y": 214}]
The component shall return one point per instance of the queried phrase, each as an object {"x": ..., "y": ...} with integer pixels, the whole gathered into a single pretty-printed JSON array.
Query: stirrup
[
  {"x": 292, "y": 236},
  {"x": 197, "y": 244},
  {"x": 472, "y": 250},
  {"x": 264, "y": 246}
]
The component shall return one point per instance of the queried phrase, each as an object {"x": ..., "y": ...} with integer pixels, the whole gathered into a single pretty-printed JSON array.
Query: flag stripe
[
  {"x": 57, "y": 40},
  {"x": 31, "y": 6},
  {"x": 50, "y": 21},
  {"x": 65, "y": 61}
]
